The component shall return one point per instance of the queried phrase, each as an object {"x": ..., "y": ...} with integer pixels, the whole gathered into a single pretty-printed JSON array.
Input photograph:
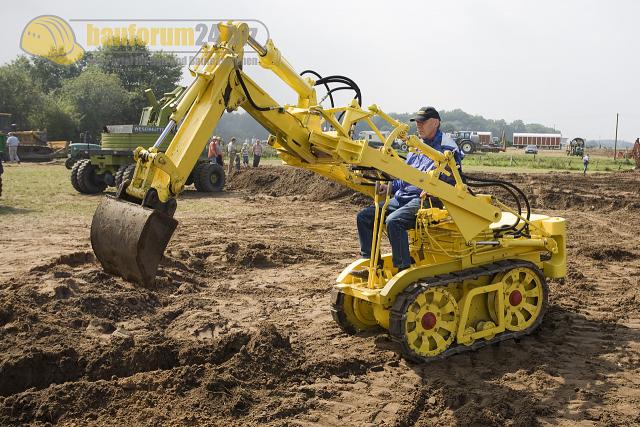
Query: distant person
[
  {"x": 215, "y": 151},
  {"x": 232, "y": 151},
  {"x": 220, "y": 151},
  {"x": 257, "y": 153},
  {"x": 211, "y": 152},
  {"x": 245, "y": 155},
  {"x": 13, "y": 142},
  {"x": 585, "y": 161}
]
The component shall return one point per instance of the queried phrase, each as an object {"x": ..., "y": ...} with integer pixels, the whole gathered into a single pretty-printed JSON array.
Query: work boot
[
  {"x": 361, "y": 274},
  {"x": 364, "y": 273}
]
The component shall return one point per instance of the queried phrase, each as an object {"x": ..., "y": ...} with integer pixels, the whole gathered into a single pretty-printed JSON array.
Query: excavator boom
[{"x": 130, "y": 232}]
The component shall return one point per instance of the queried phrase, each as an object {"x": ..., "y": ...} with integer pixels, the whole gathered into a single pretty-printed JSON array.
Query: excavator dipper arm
[{"x": 130, "y": 231}]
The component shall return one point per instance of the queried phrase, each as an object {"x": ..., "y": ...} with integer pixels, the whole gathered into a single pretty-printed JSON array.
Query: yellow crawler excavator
[{"x": 479, "y": 266}]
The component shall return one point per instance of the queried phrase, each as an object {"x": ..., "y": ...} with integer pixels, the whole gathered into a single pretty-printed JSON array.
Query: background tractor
[
  {"x": 576, "y": 147},
  {"x": 95, "y": 167},
  {"x": 473, "y": 142},
  {"x": 33, "y": 143},
  {"x": 80, "y": 150}
]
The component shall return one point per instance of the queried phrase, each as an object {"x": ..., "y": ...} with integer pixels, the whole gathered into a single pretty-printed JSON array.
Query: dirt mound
[
  {"x": 556, "y": 190},
  {"x": 262, "y": 255},
  {"x": 227, "y": 377},
  {"x": 253, "y": 379},
  {"x": 71, "y": 260},
  {"x": 545, "y": 191},
  {"x": 104, "y": 346},
  {"x": 607, "y": 253},
  {"x": 266, "y": 361},
  {"x": 62, "y": 313},
  {"x": 287, "y": 181},
  {"x": 553, "y": 198},
  {"x": 439, "y": 404},
  {"x": 628, "y": 303}
]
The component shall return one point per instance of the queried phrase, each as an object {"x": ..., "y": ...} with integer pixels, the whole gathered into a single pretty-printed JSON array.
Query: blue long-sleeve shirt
[{"x": 405, "y": 192}]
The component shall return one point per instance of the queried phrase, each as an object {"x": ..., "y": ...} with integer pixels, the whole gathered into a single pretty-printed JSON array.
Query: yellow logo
[{"x": 51, "y": 37}]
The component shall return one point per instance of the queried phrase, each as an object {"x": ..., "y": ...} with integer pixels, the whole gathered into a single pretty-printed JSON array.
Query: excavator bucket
[{"x": 129, "y": 239}]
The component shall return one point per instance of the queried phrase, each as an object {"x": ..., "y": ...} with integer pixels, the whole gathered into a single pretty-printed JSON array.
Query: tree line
[
  {"x": 243, "y": 126},
  {"x": 458, "y": 120},
  {"x": 105, "y": 87}
]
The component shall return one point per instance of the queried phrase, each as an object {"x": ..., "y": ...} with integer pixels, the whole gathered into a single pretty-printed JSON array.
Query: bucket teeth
[{"x": 129, "y": 240}]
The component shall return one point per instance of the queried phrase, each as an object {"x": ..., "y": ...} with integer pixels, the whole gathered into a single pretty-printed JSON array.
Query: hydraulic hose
[
  {"x": 246, "y": 92},
  {"x": 325, "y": 84},
  {"x": 511, "y": 188},
  {"x": 516, "y": 188},
  {"x": 344, "y": 80}
]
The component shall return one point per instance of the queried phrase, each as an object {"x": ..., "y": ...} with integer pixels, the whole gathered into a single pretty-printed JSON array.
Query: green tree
[
  {"x": 538, "y": 128},
  {"x": 57, "y": 117},
  {"x": 50, "y": 76},
  {"x": 447, "y": 127},
  {"x": 19, "y": 94},
  {"x": 138, "y": 69},
  {"x": 96, "y": 99},
  {"x": 518, "y": 126}
]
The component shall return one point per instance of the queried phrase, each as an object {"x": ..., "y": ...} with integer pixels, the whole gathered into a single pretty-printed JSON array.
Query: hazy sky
[{"x": 569, "y": 63}]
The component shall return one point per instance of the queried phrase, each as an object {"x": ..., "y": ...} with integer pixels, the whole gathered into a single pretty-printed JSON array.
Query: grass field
[
  {"x": 28, "y": 185},
  {"x": 44, "y": 189},
  {"x": 544, "y": 161},
  {"x": 515, "y": 160}
]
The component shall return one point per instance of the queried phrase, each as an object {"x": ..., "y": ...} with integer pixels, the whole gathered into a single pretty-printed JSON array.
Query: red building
[{"x": 544, "y": 141}]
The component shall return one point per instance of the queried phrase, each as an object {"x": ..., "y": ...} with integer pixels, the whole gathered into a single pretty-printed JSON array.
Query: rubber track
[{"x": 398, "y": 311}]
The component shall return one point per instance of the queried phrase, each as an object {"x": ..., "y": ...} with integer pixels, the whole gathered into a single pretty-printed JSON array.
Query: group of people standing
[{"x": 234, "y": 151}]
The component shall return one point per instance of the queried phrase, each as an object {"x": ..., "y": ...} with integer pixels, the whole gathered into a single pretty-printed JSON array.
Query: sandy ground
[{"x": 238, "y": 329}]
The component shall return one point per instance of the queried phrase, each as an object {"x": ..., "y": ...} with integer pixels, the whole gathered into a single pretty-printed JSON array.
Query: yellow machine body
[{"x": 467, "y": 277}]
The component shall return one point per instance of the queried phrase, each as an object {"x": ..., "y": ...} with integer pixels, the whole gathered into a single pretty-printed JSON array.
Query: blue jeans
[{"x": 398, "y": 220}]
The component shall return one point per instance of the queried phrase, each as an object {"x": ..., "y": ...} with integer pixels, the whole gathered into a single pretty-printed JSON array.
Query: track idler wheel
[
  {"x": 525, "y": 298},
  {"x": 128, "y": 239},
  {"x": 352, "y": 314},
  {"x": 428, "y": 321}
]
